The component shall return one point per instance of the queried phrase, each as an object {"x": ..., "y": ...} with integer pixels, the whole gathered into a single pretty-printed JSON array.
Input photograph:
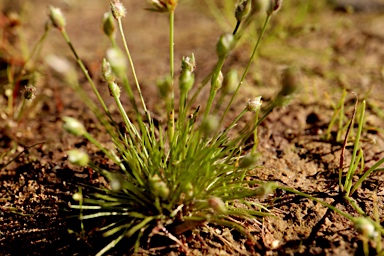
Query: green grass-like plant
[
  {"x": 19, "y": 73},
  {"x": 368, "y": 226},
  {"x": 173, "y": 177}
]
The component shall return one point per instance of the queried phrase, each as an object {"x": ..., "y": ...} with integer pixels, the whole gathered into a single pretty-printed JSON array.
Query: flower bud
[
  {"x": 265, "y": 189},
  {"x": 57, "y": 17},
  {"x": 106, "y": 71},
  {"x": 116, "y": 182},
  {"x": 243, "y": 8},
  {"x": 210, "y": 125},
  {"x": 218, "y": 82},
  {"x": 158, "y": 187},
  {"x": 248, "y": 160},
  {"x": 73, "y": 126},
  {"x": 186, "y": 81},
  {"x": 29, "y": 92},
  {"x": 365, "y": 227},
  {"x": 114, "y": 89},
  {"x": 78, "y": 157},
  {"x": 118, "y": 10},
  {"x": 188, "y": 63},
  {"x": 254, "y": 105},
  {"x": 109, "y": 25},
  {"x": 189, "y": 190},
  {"x": 274, "y": 6},
  {"x": 118, "y": 61},
  {"x": 77, "y": 197},
  {"x": 13, "y": 19},
  {"x": 217, "y": 204},
  {"x": 230, "y": 82},
  {"x": 224, "y": 45}
]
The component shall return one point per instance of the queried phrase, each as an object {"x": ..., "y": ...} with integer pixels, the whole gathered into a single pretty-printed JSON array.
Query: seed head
[
  {"x": 106, "y": 71},
  {"x": 187, "y": 78},
  {"x": 78, "y": 157},
  {"x": 230, "y": 82},
  {"x": 210, "y": 125},
  {"x": 243, "y": 8},
  {"x": 118, "y": 61},
  {"x": 365, "y": 227},
  {"x": 248, "y": 160},
  {"x": 274, "y": 6},
  {"x": 118, "y": 10},
  {"x": 218, "y": 82},
  {"x": 57, "y": 18},
  {"x": 77, "y": 197},
  {"x": 13, "y": 19},
  {"x": 73, "y": 126},
  {"x": 163, "y": 5},
  {"x": 29, "y": 92},
  {"x": 188, "y": 63},
  {"x": 159, "y": 187},
  {"x": 114, "y": 89},
  {"x": 224, "y": 45},
  {"x": 254, "y": 104},
  {"x": 186, "y": 81},
  {"x": 116, "y": 182},
  {"x": 217, "y": 204},
  {"x": 265, "y": 189}
]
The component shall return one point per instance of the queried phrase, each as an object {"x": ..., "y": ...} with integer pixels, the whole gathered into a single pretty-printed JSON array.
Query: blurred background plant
[{"x": 20, "y": 76}]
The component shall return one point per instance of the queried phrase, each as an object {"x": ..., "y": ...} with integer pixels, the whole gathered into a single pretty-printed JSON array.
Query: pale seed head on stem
[
  {"x": 57, "y": 18},
  {"x": 243, "y": 8},
  {"x": 217, "y": 204},
  {"x": 73, "y": 126},
  {"x": 106, "y": 71},
  {"x": 29, "y": 92},
  {"x": 254, "y": 104},
  {"x": 365, "y": 227},
  {"x": 218, "y": 82},
  {"x": 224, "y": 45},
  {"x": 114, "y": 89},
  {"x": 78, "y": 157},
  {"x": 274, "y": 6},
  {"x": 163, "y": 5},
  {"x": 118, "y": 10},
  {"x": 230, "y": 82},
  {"x": 118, "y": 61}
]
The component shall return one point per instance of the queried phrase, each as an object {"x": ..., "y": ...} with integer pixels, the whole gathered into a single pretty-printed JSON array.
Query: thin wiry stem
[
  {"x": 171, "y": 114},
  {"x": 85, "y": 71},
  {"x": 134, "y": 72},
  {"x": 247, "y": 67}
]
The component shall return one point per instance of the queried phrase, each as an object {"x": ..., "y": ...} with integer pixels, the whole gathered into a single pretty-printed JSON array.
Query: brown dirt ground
[{"x": 335, "y": 50}]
